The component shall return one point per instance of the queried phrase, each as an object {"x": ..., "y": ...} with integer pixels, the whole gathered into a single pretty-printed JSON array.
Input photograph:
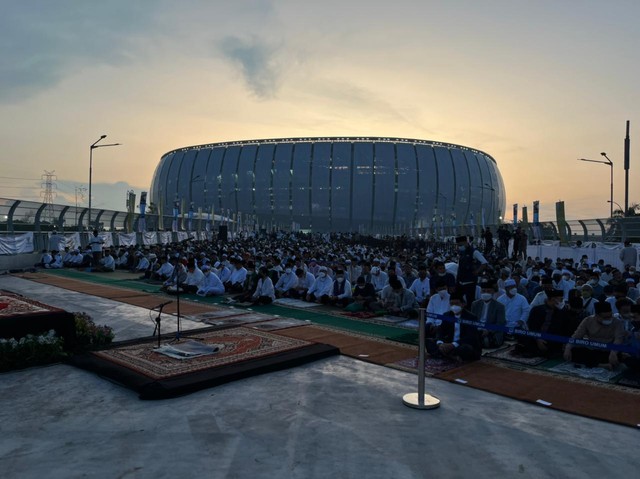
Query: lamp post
[
  {"x": 91, "y": 148},
  {"x": 610, "y": 164},
  {"x": 617, "y": 204}
]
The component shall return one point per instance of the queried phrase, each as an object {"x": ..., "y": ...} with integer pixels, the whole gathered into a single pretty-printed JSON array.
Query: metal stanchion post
[{"x": 420, "y": 400}]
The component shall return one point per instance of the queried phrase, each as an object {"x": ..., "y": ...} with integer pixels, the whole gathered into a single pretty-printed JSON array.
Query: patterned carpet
[
  {"x": 506, "y": 354},
  {"x": 13, "y": 305},
  {"x": 239, "y": 344}
]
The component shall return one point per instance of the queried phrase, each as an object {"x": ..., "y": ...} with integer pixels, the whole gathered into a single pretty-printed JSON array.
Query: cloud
[
  {"x": 42, "y": 41},
  {"x": 257, "y": 61}
]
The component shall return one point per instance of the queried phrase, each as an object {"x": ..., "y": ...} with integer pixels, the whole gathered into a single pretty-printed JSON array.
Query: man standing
[
  {"x": 96, "y": 247},
  {"x": 471, "y": 263},
  {"x": 629, "y": 255}
]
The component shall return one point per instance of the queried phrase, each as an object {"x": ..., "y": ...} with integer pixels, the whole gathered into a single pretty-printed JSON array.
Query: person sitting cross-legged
[
  {"x": 603, "y": 328},
  {"x": 211, "y": 284},
  {"x": 397, "y": 300},
  {"x": 455, "y": 340},
  {"x": 341, "y": 291},
  {"x": 265, "y": 292},
  {"x": 489, "y": 311},
  {"x": 321, "y": 289}
]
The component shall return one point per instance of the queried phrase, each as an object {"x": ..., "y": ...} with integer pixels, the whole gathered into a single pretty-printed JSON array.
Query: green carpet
[{"x": 339, "y": 322}]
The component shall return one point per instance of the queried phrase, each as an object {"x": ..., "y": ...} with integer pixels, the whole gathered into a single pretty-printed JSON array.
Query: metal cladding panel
[
  {"x": 446, "y": 182},
  {"x": 200, "y": 177},
  {"x": 300, "y": 182},
  {"x": 321, "y": 183},
  {"x": 172, "y": 191},
  {"x": 480, "y": 194},
  {"x": 185, "y": 177},
  {"x": 282, "y": 179},
  {"x": 264, "y": 164},
  {"x": 341, "y": 182},
  {"x": 159, "y": 189},
  {"x": 246, "y": 164},
  {"x": 428, "y": 176},
  {"x": 407, "y": 183},
  {"x": 384, "y": 180},
  {"x": 463, "y": 186},
  {"x": 362, "y": 186},
  {"x": 214, "y": 178}
]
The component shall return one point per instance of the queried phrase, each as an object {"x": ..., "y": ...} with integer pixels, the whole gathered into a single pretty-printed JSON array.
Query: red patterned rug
[
  {"x": 238, "y": 344},
  {"x": 12, "y": 305},
  {"x": 243, "y": 352}
]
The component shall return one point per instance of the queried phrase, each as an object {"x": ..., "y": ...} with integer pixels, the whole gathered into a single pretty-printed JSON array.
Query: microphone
[{"x": 162, "y": 305}]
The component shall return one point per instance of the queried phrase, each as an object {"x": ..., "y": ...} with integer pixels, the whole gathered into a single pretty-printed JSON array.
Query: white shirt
[
  {"x": 438, "y": 305},
  {"x": 516, "y": 310},
  {"x": 420, "y": 288},
  {"x": 265, "y": 288}
]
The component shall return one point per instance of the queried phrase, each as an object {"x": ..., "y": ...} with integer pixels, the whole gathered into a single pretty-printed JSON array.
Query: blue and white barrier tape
[{"x": 625, "y": 348}]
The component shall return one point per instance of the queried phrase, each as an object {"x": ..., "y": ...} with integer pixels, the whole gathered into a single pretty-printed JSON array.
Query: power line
[{"x": 48, "y": 195}]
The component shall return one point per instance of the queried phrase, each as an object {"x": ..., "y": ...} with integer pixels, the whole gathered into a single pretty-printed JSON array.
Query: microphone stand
[{"x": 158, "y": 320}]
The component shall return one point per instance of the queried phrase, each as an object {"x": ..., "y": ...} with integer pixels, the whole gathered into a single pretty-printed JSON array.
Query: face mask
[
  {"x": 513, "y": 291},
  {"x": 288, "y": 270},
  {"x": 442, "y": 274},
  {"x": 593, "y": 282},
  {"x": 560, "y": 305},
  {"x": 607, "y": 322},
  {"x": 456, "y": 309},
  {"x": 461, "y": 249},
  {"x": 340, "y": 280},
  {"x": 586, "y": 294},
  {"x": 486, "y": 296},
  {"x": 442, "y": 293},
  {"x": 322, "y": 274}
]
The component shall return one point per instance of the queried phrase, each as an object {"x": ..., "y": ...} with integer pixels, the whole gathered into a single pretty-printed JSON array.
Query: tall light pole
[
  {"x": 91, "y": 148},
  {"x": 610, "y": 164}
]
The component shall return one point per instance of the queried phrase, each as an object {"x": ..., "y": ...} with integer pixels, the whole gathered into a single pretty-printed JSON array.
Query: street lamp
[
  {"x": 610, "y": 163},
  {"x": 91, "y": 148},
  {"x": 617, "y": 204}
]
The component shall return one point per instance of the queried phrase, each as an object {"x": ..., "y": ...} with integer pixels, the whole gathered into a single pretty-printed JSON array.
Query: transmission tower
[{"x": 48, "y": 195}]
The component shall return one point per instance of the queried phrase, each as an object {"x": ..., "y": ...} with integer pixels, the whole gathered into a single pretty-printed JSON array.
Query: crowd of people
[{"x": 498, "y": 286}]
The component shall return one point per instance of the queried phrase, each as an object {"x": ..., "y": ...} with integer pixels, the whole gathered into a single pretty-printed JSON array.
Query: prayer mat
[
  {"x": 239, "y": 319},
  {"x": 218, "y": 314},
  {"x": 360, "y": 314},
  {"x": 630, "y": 380},
  {"x": 596, "y": 374},
  {"x": 577, "y": 396},
  {"x": 277, "y": 324},
  {"x": 507, "y": 354},
  {"x": 243, "y": 353},
  {"x": 295, "y": 303},
  {"x": 432, "y": 366},
  {"x": 20, "y": 316}
]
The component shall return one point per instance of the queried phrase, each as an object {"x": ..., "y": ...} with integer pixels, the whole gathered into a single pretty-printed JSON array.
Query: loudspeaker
[{"x": 222, "y": 232}]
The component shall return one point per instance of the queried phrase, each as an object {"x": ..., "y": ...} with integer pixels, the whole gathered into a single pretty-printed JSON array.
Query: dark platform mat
[
  {"x": 599, "y": 401},
  {"x": 245, "y": 352},
  {"x": 20, "y": 316}
]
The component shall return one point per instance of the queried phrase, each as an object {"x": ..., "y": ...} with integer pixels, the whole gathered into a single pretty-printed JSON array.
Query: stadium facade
[{"x": 367, "y": 185}]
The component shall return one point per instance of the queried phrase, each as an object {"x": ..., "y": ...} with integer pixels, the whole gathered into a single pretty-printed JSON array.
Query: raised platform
[{"x": 244, "y": 352}]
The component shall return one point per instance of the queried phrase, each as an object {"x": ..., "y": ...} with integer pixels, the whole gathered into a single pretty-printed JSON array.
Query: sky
[{"x": 535, "y": 84}]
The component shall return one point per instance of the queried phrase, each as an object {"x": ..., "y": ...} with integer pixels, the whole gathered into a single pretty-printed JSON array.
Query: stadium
[{"x": 365, "y": 185}]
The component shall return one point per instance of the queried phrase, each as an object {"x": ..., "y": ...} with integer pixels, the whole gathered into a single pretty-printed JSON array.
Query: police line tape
[{"x": 633, "y": 348}]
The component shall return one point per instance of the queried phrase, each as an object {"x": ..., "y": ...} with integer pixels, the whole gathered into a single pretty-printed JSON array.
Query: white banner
[
  {"x": 16, "y": 244},
  {"x": 72, "y": 241},
  {"x": 150, "y": 238},
  {"x": 610, "y": 254},
  {"x": 107, "y": 238},
  {"x": 164, "y": 237},
  {"x": 127, "y": 239},
  {"x": 183, "y": 235}
]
